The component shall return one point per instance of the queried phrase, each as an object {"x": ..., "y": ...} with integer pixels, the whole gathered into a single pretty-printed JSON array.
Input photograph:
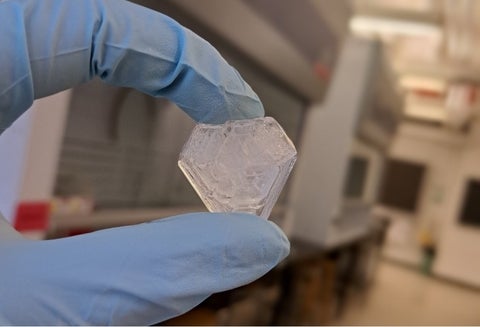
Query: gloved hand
[
  {"x": 53, "y": 45},
  {"x": 138, "y": 274}
]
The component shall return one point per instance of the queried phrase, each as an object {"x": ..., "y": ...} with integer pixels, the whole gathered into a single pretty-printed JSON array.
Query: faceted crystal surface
[{"x": 241, "y": 165}]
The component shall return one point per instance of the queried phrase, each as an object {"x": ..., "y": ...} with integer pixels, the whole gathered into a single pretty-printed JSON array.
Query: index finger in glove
[{"x": 50, "y": 47}]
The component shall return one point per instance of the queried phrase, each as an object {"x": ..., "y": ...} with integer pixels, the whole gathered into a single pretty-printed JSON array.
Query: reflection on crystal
[{"x": 241, "y": 165}]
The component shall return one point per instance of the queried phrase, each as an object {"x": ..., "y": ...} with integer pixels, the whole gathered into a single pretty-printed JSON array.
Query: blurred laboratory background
[{"x": 381, "y": 99}]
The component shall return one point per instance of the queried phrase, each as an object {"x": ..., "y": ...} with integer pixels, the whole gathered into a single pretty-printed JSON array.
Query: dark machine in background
[
  {"x": 470, "y": 214},
  {"x": 402, "y": 184}
]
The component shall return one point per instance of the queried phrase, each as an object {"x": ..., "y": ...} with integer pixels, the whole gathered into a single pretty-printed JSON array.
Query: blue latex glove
[
  {"x": 52, "y": 45},
  {"x": 139, "y": 274}
]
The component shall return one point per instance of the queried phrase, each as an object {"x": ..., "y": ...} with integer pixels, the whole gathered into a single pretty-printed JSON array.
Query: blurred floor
[{"x": 403, "y": 296}]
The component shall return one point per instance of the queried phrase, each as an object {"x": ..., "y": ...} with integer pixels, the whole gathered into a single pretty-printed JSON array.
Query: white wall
[
  {"x": 12, "y": 156},
  {"x": 46, "y": 135},
  {"x": 459, "y": 245},
  {"x": 450, "y": 158},
  {"x": 29, "y": 153},
  {"x": 329, "y": 129}
]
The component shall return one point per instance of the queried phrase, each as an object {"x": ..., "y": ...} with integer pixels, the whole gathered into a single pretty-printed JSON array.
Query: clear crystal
[{"x": 241, "y": 165}]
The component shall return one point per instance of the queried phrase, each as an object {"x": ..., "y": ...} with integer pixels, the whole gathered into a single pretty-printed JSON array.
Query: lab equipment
[{"x": 241, "y": 165}]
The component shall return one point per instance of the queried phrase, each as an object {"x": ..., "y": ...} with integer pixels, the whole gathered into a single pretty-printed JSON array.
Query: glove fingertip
[{"x": 256, "y": 245}]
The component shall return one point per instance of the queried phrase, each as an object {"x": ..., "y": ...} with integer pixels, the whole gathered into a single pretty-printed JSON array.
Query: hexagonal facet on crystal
[{"x": 241, "y": 165}]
